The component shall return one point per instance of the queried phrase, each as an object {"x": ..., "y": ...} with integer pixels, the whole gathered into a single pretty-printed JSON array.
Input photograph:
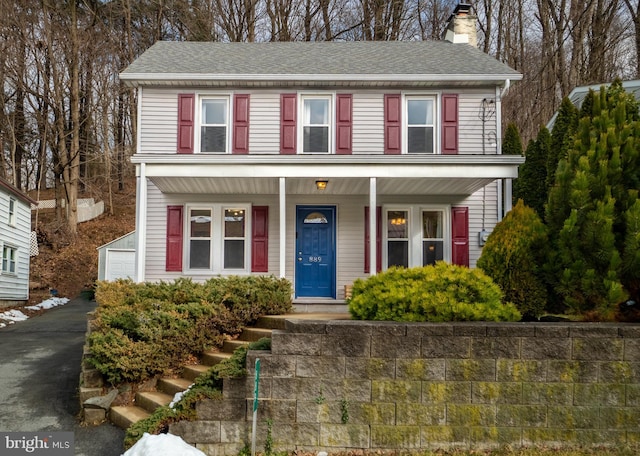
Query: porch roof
[{"x": 347, "y": 174}]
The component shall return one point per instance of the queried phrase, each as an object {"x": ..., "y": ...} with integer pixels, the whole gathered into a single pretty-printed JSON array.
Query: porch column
[
  {"x": 283, "y": 226},
  {"x": 141, "y": 221},
  {"x": 373, "y": 232}
]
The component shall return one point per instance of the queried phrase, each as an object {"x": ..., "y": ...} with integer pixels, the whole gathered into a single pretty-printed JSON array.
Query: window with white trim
[
  {"x": 214, "y": 124},
  {"x": 420, "y": 132},
  {"x": 415, "y": 236},
  {"x": 9, "y": 256},
  {"x": 217, "y": 238},
  {"x": 316, "y": 124},
  {"x": 12, "y": 211}
]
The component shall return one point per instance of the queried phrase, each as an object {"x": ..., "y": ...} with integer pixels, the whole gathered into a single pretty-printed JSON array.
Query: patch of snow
[
  {"x": 178, "y": 396},
  {"x": 9, "y": 317},
  {"x": 49, "y": 304},
  {"x": 162, "y": 444}
]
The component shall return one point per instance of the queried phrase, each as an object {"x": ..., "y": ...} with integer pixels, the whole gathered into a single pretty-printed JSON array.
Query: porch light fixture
[{"x": 321, "y": 184}]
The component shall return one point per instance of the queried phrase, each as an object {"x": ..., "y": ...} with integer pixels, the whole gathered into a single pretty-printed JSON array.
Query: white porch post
[
  {"x": 283, "y": 226},
  {"x": 141, "y": 221},
  {"x": 373, "y": 232}
]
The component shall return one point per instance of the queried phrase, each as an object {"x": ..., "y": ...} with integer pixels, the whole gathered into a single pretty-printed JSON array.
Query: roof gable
[
  {"x": 11, "y": 190},
  {"x": 368, "y": 61}
]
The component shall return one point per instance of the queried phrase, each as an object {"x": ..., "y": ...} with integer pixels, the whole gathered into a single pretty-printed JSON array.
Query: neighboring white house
[
  {"x": 15, "y": 238},
  {"x": 265, "y": 158}
]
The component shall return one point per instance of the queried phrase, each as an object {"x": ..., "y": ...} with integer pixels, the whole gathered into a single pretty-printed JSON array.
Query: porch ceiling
[{"x": 433, "y": 175}]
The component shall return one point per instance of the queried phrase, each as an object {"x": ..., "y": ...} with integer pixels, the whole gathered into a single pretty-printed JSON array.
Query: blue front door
[{"x": 315, "y": 252}]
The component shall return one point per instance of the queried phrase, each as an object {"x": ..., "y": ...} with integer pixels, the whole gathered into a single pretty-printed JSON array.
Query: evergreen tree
[
  {"x": 592, "y": 209},
  {"x": 531, "y": 184},
  {"x": 563, "y": 130},
  {"x": 512, "y": 143}
]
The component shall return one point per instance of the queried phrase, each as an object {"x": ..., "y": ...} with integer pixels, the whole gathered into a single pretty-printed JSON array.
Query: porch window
[
  {"x": 420, "y": 115},
  {"x": 234, "y": 238},
  {"x": 415, "y": 236},
  {"x": 219, "y": 238},
  {"x": 9, "y": 255},
  {"x": 397, "y": 238},
  {"x": 214, "y": 125},
  {"x": 316, "y": 119},
  {"x": 432, "y": 237},
  {"x": 200, "y": 238},
  {"x": 12, "y": 211}
]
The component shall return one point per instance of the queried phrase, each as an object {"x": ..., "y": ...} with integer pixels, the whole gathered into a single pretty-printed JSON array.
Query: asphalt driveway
[{"x": 39, "y": 375}]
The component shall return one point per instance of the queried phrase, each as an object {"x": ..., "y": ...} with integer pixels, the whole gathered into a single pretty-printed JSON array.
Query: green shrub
[
  {"x": 514, "y": 257},
  {"x": 145, "y": 330},
  {"x": 438, "y": 293}
]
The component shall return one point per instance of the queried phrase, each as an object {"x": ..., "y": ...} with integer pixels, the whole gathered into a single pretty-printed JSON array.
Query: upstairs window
[
  {"x": 9, "y": 255},
  {"x": 420, "y": 125},
  {"x": 316, "y": 124},
  {"x": 12, "y": 211},
  {"x": 214, "y": 125}
]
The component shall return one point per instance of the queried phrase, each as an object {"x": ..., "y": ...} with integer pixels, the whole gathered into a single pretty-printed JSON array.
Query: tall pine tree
[
  {"x": 592, "y": 207},
  {"x": 531, "y": 185}
]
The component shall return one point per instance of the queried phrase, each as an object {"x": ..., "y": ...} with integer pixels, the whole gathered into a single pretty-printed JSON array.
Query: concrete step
[
  {"x": 211, "y": 358},
  {"x": 254, "y": 334},
  {"x": 171, "y": 386},
  {"x": 229, "y": 346},
  {"x": 151, "y": 400},
  {"x": 270, "y": 322},
  {"x": 193, "y": 371},
  {"x": 124, "y": 416}
]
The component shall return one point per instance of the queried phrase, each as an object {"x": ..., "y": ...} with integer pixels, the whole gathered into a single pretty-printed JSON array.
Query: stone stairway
[{"x": 146, "y": 402}]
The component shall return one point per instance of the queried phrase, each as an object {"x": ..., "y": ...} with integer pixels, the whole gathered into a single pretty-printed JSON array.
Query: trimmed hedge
[
  {"x": 145, "y": 330},
  {"x": 438, "y": 293}
]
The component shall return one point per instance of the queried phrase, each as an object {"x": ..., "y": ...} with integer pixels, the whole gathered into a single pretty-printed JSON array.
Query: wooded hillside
[{"x": 66, "y": 122}]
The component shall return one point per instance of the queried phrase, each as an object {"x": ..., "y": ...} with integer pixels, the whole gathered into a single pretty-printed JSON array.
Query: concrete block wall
[{"x": 365, "y": 385}]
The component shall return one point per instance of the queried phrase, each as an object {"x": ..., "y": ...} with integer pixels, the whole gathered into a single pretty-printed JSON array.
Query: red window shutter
[
  {"x": 392, "y": 124},
  {"x": 367, "y": 239},
  {"x": 460, "y": 236},
  {"x": 449, "y": 123},
  {"x": 344, "y": 128},
  {"x": 186, "y": 112},
  {"x": 288, "y": 116},
  {"x": 174, "y": 238},
  {"x": 240, "y": 124},
  {"x": 260, "y": 239}
]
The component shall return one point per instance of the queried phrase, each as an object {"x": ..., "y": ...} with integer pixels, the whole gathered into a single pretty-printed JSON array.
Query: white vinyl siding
[
  {"x": 14, "y": 286},
  {"x": 159, "y": 121},
  {"x": 368, "y": 123},
  {"x": 264, "y": 123},
  {"x": 159, "y": 117}
]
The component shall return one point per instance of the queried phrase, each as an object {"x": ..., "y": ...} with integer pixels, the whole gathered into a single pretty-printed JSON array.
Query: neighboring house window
[
  {"x": 12, "y": 211},
  {"x": 9, "y": 255},
  {"x": 217, "y": 238},
  {"x": 316, "y": 124},
  {"x": 415, "y": 236},
  {"x": 420, "y": 126},
  {"x": 214, "y": 124}
]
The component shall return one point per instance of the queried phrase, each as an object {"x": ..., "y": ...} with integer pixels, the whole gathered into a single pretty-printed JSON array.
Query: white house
[
  {"x": 265, "y": 158},
  {"x": 15, "y": 238}
]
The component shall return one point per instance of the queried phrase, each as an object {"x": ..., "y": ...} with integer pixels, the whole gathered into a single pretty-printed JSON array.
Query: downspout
[
  {"x": 141, "y": 202},
  {"x": 504, "y": 199}
]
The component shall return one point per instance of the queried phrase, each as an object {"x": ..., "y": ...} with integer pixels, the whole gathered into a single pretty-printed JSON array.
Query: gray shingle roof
[{"x": 406, "y": 59}]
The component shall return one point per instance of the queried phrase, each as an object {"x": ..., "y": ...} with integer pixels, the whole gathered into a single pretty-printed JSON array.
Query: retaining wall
[{"x": 363, "y": 385}]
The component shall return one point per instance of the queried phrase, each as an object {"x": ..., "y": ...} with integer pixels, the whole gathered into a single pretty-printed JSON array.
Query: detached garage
[{"x": 117, "y": 259}]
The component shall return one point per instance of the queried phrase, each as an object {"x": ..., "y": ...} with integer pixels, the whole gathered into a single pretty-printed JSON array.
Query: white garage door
[{"x": 120, "y": 264}]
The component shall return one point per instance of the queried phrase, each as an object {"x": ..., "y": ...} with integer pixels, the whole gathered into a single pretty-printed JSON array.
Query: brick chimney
[{"x": 461, "y": 27}]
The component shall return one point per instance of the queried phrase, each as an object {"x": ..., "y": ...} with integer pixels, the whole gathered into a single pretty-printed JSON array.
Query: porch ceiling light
[{"x": 321, "y": 184}]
